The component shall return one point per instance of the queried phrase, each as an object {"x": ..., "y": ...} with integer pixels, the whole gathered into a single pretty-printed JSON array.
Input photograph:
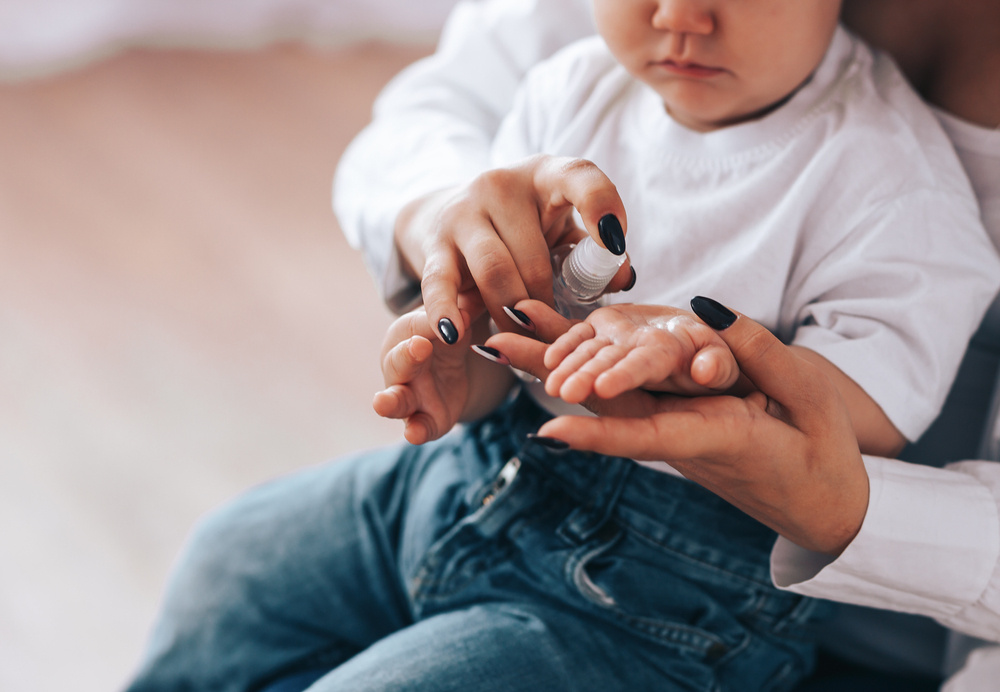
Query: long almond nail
[
  {"x": 447, "y": 330},
  {"x": 713, "y": 313},
  {"x": 490, "y": 353},
  {"x": 522, "y": 320},
  {"x": 612, "y": 235}
]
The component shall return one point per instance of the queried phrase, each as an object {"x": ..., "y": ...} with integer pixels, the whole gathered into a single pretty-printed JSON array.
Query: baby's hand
[
  {"x": 426, "y": 380},
  {"x": 624, "y": 347}
]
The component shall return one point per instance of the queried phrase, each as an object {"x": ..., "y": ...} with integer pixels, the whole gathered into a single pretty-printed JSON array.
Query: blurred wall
[{"x": 43, "y": 36}]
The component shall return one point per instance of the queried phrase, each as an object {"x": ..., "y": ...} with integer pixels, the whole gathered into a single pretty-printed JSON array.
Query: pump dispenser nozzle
[{"x": 581, "y": 272}]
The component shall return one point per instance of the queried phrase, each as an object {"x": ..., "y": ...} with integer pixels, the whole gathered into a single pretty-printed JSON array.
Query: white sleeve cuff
[
  {"x": 401, "y": 293},
  {"x": 929, "y": 545}
]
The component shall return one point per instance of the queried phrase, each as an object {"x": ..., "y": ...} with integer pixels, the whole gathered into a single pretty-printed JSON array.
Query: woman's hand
[
  {"x": 786, "y": 454},
  {"x": 489, "y": 241}
]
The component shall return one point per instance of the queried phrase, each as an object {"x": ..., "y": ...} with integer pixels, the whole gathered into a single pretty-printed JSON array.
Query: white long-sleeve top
[
  {"x": 432, "y": 128},
  {"x": 930, "y": 542}
]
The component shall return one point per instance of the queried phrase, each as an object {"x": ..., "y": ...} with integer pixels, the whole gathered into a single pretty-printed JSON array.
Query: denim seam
[
  {"x": 693, "y": 560},
  {"x": 426, "y": 585},
  {"x": 434, "y": 588}
]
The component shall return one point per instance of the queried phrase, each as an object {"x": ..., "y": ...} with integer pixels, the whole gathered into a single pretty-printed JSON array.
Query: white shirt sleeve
[
  {"x": 980, "y": 672},
  {"x": 929, "y": 545},
  {"x": 433, "y": 124}
]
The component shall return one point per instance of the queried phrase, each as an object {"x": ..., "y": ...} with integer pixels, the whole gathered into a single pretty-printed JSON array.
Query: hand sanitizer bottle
[{"x": 579, "y": 274}]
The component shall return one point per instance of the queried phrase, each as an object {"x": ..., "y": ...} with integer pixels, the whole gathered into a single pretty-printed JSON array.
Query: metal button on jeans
[{"x": 504, "y": 478}]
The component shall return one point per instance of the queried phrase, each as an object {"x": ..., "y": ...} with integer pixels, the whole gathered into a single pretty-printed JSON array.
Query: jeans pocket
[
  {"x": 712, "y": 625},
  {"x": 610, "y": 572}
]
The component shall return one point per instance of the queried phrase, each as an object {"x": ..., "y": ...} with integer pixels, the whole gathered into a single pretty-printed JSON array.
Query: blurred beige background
[{"x": 180, "y": 318}]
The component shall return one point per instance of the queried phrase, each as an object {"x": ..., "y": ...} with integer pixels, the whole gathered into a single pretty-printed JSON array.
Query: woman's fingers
[
  {"x": 564, "y": 183},
  {"x": 523, "y": 352},
  {"x": 495, "y": 235},
  {"x": 676, "y": 430},
  {"x": 439, "y": 287},
  {"x": 549, "y": 325},
  {"x": 524, "y": 268}
]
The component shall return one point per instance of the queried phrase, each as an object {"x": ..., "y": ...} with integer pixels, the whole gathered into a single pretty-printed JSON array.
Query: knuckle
[
  {"x": 576, "y": 166},
  {"x": 594, "y": 184},
  {"x": 493, "y": 184},
  {"x": 532, "y": 163},
  {"x": 491, "y": 270},
  {"x": 434, "y": 272},
  {"x": 537, "y": 273},
  {"x": 489, "y": 261},
  {"x": 452, "y": 216},
  {"x": 757, "y": 345}
]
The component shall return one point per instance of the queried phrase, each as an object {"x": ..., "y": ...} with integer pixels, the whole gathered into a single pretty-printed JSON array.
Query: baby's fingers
[
  {"x": 400, "y": 402},
  {"x": 583, "y": 368},
  {"x": 714, "y": 367},
  {"x": 634, "y": 370},
  {"x": 396, "y": 402},
  {"x": 420, "y": 428},
  {"x": 566, "y": 355},
  {"x": 568, "y": 343},
  {"x": 405, "y": 361}
]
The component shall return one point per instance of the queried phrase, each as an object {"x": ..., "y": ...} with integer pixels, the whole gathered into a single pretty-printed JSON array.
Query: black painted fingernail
[
  {"x": 631, "y": 282},
  {"x": 713, "y": 313},
  {"x": 448, "y": 331},
  {"x": 612, "y": 234},
  {"x": 490, "y": 353},
  {"x": 549, "y": 443},
  {"x": 520, "y": 318}
]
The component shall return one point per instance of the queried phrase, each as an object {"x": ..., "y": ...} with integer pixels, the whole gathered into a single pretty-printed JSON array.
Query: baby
[{"x": 774, "y": 162}]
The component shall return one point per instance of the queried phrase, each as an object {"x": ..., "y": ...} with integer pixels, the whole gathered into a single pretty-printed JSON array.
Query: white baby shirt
[{"x": 823, "y": 220}]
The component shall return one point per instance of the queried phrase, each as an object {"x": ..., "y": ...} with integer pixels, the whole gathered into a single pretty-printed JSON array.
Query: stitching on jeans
[
  {"x": 693, "y": 560},
  {"x": 427, "y": 584}
]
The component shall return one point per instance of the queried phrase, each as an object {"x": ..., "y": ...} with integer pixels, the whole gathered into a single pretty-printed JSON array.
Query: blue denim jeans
[{"x": 480, "y": 562}]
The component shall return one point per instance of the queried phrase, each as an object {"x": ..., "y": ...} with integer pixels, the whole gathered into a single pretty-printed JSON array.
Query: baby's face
[{"x": 718, "y": 62}]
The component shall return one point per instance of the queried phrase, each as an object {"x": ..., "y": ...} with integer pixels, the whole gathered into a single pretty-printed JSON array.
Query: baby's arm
[
  {"x": 623, "y": 347},
  {"x": 431, "y": 385},
  {"x": 875, "y": 432}
]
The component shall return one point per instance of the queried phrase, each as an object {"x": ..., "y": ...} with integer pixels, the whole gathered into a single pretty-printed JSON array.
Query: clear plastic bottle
[{"x": 580, "y": 274}]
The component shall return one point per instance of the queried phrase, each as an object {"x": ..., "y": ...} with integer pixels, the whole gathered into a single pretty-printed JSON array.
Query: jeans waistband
[{"x": 660, "y": 505}]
